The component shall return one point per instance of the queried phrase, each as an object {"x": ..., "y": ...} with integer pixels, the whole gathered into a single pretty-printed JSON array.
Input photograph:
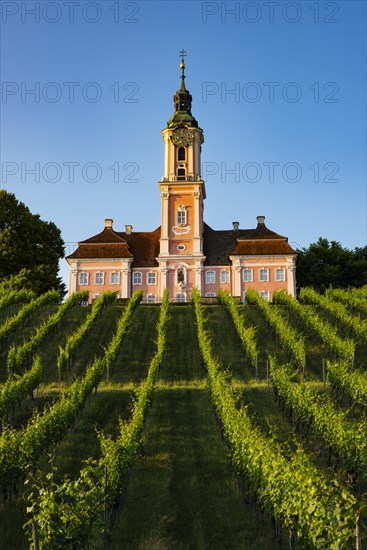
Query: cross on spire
[{"x": 183, "y": 54}]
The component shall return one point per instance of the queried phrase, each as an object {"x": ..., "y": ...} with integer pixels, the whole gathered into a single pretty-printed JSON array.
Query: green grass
[
  {"x": 138, "y": 346},
  {"x": 182, "y": 492}
]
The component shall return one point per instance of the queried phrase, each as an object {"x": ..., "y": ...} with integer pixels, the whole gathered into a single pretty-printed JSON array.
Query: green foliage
[
  {"x": 20, "y": 449},
  {"x": 346, "y": 438},
  {"x": 122, "y": 325},
  {"x": 67, "y": 514},
  {"x": 247, "y": 334},
  {"x": 27, "y": 242},
  {"x": 75, "y": 339},
  {"x": 336, "y": 310},
  {"x": 292, "y": 341},
  {"x": 18, "y": 354},
  {"x": 327, "y": 264},
  {"x": 17, "y": 388},
  {"x": 341, "y": 348},
  {"x": 63, "y": 510},
  {"x": 352, "y": 297},
  {"x": 320, "y": 512},
  {"x": 353, "y": 384},
  {"x": 14, "y": 323},
  {"x": 12, "y": 297}
]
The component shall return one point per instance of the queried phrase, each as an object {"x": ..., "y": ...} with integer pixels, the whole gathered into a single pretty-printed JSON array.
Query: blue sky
[{"x": 278, "y": 88}]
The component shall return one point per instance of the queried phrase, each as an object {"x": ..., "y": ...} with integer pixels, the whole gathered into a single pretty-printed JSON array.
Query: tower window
[
  {"x": 181, "y": 173},
  {"x": 181, "y": 216},
  {"x": 181, "y": 154}
]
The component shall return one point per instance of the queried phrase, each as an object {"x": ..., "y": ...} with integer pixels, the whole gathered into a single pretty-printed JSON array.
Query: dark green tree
[
  {"x": 30, "y": 248},
  {"x": 327, "y": 264}
]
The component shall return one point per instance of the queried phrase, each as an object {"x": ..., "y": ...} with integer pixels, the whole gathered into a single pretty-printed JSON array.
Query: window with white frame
[
  {"x": 137, "y": 278},
  {"x": 264, "y": 295},
  {"x": 247, "y": 275},
  {"x": 152, "y": 279},
  {"x": 181, "y": 215},
  {"x": 264, "y": 274},
  {"x": 224, "y": 277},
  {"x": 99, "y": 278},
  {"x": 115, "y": 278},
  {"x": 210, "y": 277},
  {"x": 151, "y": 298},
  {"x": 210, "y": 295},
  {"x": 280, "y": 274},
  {"x": 83, "y": 278}
]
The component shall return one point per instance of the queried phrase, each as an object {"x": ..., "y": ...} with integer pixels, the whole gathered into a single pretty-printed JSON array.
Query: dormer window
[
  {"x": 181, "y": 215},
  {"x": 181, "y": 154}
]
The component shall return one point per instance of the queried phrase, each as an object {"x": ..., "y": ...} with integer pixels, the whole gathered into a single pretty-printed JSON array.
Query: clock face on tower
[{"x": 181, "y": 137}]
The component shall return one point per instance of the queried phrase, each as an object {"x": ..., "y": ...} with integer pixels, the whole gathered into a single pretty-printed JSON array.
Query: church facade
[{"x": 184, "y": 252}]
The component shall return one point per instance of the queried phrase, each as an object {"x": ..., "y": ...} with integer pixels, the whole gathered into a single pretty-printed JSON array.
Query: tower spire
[
  {"x": 182, "y": 67},
  {"x": 182, "y": 101}
]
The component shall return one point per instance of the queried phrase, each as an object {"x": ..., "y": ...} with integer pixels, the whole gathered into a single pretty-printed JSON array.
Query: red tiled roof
[
  {"x": 102, "y": 250},
  {"x": 258, "y": 247},
  {"x": 144, "y": 247},
  {"x": 108, "y": 235},
  {"x": 219, "y": 245}
]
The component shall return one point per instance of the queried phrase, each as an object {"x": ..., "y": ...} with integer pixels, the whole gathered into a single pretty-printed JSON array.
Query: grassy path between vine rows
[
  {"x": 182, "y": 493},
  {"x": 102, "y": 411}
]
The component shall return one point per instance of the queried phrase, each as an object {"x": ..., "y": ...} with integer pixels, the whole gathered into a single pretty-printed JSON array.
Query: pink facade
[{"x": 184, "y": 252}]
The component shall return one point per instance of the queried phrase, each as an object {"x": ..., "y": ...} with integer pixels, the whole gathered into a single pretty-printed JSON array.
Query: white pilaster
[
  {"x": 291, "y": 274},
  {"x": 197, "y": 237},
  {"x": 126, "y": 279},
  {"x": 73, "y": 278},
  {"x": 236, "y": 275},
  {"x": 164, "y": 249},
  {"x": 199, "y": 278},
  {"x": 166, "y": 149},
  {"x": 164, "y": 271}
]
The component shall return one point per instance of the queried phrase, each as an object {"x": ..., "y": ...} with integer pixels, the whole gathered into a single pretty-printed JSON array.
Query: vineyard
[{"x": 173, "y": 426}]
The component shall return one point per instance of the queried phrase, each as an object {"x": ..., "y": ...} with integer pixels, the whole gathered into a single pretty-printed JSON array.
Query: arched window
[{"x": 181, "y": 154}]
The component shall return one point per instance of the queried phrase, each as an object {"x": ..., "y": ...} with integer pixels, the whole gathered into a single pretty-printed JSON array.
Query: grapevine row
[
  {"x": 14, "y": 322},
  {"x": 347, "y": 439},
  {"x": 353, "y": 383},
  {"x": 337, "y": 310},
  {"x": 122, "y": 324},
  {"x": 18, "y": 354},
  {"x": 18, "y": 388},
  {"x": 23, "y": 447},
  {"x": 342, "y": 348},
  {"x": 292, "y": 341},
  {"x": 316, "y": 509},
  {"x": 99, "y": 484},
  {"x": 75, "y": 339},
  {"x": 22, "y": 296},
  {"x": 349, "y": 298},
  {"x": 246, "y": 334}
]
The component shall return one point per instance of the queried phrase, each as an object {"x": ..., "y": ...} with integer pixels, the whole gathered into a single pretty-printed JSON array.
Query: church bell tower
[{"x": 182, "y": 194}]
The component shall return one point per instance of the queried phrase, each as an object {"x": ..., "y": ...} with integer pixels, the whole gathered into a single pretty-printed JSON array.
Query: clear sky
[{"x": 278, "y": 87}]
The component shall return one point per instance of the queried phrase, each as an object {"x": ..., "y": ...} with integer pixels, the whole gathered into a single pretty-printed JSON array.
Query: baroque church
[{"x": 184, "y": 252}]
